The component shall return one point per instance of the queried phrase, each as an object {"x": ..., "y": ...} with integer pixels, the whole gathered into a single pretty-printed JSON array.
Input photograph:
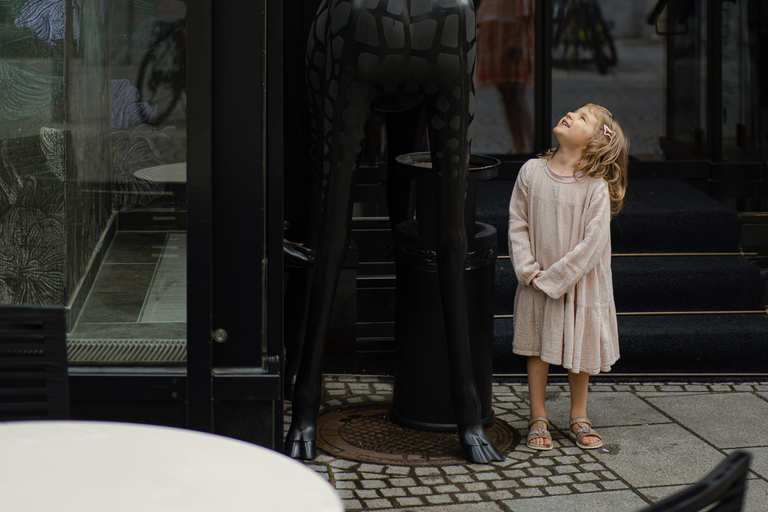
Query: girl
[{"x": 560, "y": 246}]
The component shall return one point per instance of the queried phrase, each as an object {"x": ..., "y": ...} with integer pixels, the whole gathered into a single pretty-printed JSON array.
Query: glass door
[{"x": 133, "y": 194}]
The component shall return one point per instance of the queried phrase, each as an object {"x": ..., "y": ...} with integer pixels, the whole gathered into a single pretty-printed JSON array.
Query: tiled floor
[
  {"x": 659, "y": 438},
  {"x": 139, "y": 292}
]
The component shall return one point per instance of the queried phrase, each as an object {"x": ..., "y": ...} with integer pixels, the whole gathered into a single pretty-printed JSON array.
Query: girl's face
[{"x": 576, "y": 128}]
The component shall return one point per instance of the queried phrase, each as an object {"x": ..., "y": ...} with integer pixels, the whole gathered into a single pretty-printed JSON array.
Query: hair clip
[{"x": 610, "y": 133}]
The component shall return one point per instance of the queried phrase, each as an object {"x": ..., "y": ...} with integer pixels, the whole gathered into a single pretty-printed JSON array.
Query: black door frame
[{"x": 234, "y": 119}]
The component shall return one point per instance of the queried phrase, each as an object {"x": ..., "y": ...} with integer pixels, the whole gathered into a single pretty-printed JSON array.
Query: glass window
[{"x": 93, "y": 172}]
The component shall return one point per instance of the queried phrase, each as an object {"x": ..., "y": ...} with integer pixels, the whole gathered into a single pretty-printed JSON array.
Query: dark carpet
[{"x": 671, "y": 230}]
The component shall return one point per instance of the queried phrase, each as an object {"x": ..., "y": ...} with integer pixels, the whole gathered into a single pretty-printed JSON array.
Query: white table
[
  {"x": 167, "y": 173},
  {"x": 106, "y": 466}
]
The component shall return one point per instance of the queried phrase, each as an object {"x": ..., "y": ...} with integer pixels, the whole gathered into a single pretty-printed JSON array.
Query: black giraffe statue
[{"x": 392, "y": 56}]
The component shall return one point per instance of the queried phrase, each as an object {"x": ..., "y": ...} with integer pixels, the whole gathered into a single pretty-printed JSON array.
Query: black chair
[
  {"x": 722, "y": 490},
  {"x": 33, "y": 363}
]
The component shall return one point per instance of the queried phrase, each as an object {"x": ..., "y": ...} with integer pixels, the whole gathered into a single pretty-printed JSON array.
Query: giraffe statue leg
[
  {"x": 358, "y": 52},
  {"x": 343, "y": 138},
  {"x": 450, "y": 134}
]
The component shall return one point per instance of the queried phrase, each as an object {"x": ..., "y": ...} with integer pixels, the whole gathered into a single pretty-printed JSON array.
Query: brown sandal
[
  {"x": 539, "y": 433},
  {"x": 585, "y": 431}
]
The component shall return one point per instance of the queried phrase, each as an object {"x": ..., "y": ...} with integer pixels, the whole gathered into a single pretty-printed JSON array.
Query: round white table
[
  {"x": 166, "y": 173},
  {"x": 106, "y": 466}
]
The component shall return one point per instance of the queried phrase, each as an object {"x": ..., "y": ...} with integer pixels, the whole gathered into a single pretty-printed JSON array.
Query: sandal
[
  {"x": 584, "y": 432},
  {"x": 539, "y": 433}
]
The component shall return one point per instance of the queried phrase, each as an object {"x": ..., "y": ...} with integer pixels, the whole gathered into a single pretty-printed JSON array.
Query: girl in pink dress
[{"x": 560, "y": 246}]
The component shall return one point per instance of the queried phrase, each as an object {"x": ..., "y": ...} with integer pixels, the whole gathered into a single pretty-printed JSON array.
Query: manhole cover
[{"x": 366, "y": 434}]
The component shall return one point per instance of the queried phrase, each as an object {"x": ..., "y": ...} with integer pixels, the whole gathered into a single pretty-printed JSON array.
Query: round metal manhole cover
[{"x": 366, "y": 434}]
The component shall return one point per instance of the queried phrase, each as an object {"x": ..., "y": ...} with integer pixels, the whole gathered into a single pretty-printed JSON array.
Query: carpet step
[
  {"x": 731, "y": 344},
  {"x": 659, "y": 216},
  {"x": 665, "y": 283}
]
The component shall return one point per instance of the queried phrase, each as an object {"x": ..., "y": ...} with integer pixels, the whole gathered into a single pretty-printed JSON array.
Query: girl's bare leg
[
  {"x": 538, "y": 371},
  {"x": 579, "y": 384}
]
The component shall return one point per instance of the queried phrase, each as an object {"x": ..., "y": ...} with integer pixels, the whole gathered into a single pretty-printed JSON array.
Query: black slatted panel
[{"x": 33, "y": 363}]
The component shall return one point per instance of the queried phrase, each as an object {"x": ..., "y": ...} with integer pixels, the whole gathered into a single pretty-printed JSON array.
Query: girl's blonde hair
[{"x": 605, "y": 156}]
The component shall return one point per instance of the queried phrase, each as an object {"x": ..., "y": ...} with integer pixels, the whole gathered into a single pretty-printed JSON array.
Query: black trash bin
[{"x": 422, "y": 390}]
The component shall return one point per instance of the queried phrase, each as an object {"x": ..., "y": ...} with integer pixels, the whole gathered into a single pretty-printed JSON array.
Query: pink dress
[
  {"x": 505, "y": 41},
  {"x": 560, "y": 226}
]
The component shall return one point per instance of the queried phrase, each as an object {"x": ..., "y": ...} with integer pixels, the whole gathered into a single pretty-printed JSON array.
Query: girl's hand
[{"x": 533, "y": 282}]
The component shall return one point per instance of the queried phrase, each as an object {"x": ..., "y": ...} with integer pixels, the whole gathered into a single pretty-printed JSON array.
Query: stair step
[
  {"x": 733, "y": 344},
  {"x": 659, "y": 216},
  {"x": 665, "y": 283}
]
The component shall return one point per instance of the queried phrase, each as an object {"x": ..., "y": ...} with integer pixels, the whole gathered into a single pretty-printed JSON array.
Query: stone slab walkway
[{"x": 658, "y": 438}]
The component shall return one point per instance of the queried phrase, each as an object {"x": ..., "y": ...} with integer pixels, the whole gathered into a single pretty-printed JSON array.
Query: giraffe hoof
[
  {"x": 478, "y": 448},
  {"x": 300, "y": 444}
]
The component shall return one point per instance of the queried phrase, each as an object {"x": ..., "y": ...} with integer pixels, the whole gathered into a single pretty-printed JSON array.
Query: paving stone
[
  {"x": 367, "y": 493},
  {"x": 427, "y": 471},
  {"x": 528, "y": 492},
  {"x": 505, "y": 484},
  {"x": 342, "y": 463},
  {"x": 393, "y": 492},
  {"x": 420, "y": 490},
  {"x": 533, "y": 481},
  {"x": 586, "y": 487},
  {"x": 611, "y": 409},
  {"x": 476, "y": 486},
  {"x": 561, "y": 479},
  {"x": 345, "y": 476},
  {"x": 403, "y": 482},
  {"x": 540, "y": 471},
  {"x": 439, "y": 498},
  {"x": 398, "y": 470},
  {"x": 380, "y": 503},
  {"x": 655, "y": 494},
  {"x": 435, "y": 480},
  {"x": 348, "y": 484},
  {"x": 742, "y": 409},
  {"x": 586, "y": 477},
  {"x": 567, "y": 469},
  {"x": 567, "y": 460},
  {"x": 346, "y": 494},
  {"x": 410, "y": 501},
  {"x": 352, "y": 505},
  {"x": 499, "y": 495},
  {"x": 459, "y": 479},
  {"x": 677, "y": 456},
  {"x": 611, "y": 485},
  {"x": 592, "y": 466},
  {"x": 453, "y": 470},
  {"x": 557, "y": 490},
  {"x": 465, "y": 497},
  {"x": 759, "y": 463},
  {"x": 756, "y": 496},
  {"x": 373, "y": 484},
  {"x": 486, "y": 476},
  {"x": 615, "y": 501},
  {"x": 447, "y": 488}
]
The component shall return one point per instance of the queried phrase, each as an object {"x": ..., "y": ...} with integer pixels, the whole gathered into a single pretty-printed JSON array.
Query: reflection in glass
[
  {"x": 505, "y": 71},
  {"x": 93, "y": 170},
  {"x": 740, "y": 80},
  {"x": 651, "y": 76}
]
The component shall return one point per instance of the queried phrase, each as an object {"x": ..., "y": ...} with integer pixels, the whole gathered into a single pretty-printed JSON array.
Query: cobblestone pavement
[{"x": 659, "y": 438}]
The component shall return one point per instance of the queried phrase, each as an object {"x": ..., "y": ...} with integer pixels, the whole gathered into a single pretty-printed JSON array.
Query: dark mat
[
  {"x": 731, "y": 344},
  {"x": 658, "y": 216},
  {"x": 659, "y": 283}
]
